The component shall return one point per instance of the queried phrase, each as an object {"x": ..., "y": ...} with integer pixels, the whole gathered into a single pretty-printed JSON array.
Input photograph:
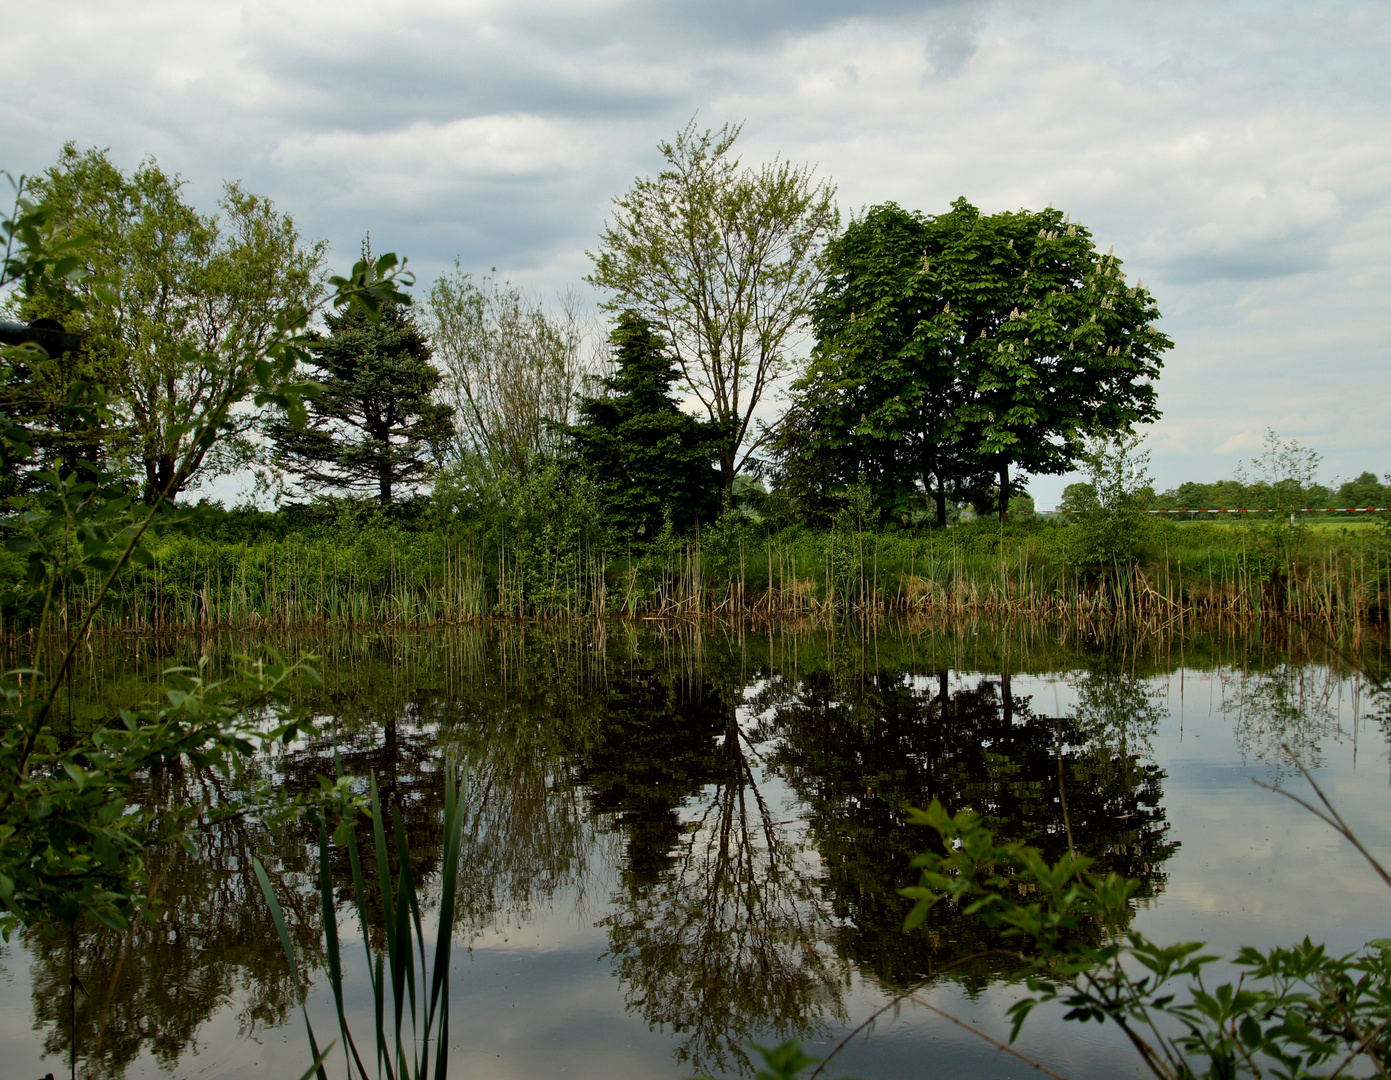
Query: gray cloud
[
  {"x": 370, "y": 83},
  {"x": 1224, "y": 249},
  {"x": 678, "y": 26},
  {"x": 1251, "y": 260},
  {"x": 1237, "y": 155},
  {"x": 952, "y": 41}
]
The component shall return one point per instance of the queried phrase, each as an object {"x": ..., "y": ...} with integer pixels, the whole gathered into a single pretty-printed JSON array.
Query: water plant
[
  {"x": 410, "y": 991},
  {"x": 1294, "y": 1012}
]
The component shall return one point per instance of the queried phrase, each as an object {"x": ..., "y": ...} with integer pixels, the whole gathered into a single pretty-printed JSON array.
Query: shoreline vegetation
[
  {"x": 246, "y": 569},
  {"x": 970, "y": 641}
]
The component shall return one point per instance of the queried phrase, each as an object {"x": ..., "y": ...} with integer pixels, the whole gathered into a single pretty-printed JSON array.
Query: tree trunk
[
  {"x": 940, "y": 497},
  {"x": 384, "y": 487},
  {"x": 159, "y": 477},
  {"x": 727, "y": 479},
  {"x": 1004, "y": 491}
]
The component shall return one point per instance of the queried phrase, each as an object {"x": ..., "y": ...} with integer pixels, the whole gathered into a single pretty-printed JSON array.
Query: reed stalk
[{"x": 410, "y": 991}]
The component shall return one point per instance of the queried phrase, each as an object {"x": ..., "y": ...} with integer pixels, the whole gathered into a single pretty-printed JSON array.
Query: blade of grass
[
  {"x": 317, "y": 1067},
  {"x": 444, "y": 940},
  {"x": 279, "y": 919},
  {"x": 335, "y": 967},
  {"x": 405, "y": 947},
  {"x": 360, "y": 897}
]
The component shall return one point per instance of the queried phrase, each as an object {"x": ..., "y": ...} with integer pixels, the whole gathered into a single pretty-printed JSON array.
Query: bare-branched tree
[
  {"x": 726, "y": 261},
  {"x": 511, "y": 367}
]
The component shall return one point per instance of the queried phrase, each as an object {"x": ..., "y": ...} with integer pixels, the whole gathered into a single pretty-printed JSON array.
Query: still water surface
[{"x": 686, "y": 838}]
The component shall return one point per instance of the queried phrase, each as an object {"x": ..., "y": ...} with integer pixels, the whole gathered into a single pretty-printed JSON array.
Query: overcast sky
[{"x": 1238, "y": 156}]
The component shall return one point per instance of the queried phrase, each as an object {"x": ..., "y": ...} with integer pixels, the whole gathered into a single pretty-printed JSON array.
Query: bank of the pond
[{"x": 388, "y": 573}]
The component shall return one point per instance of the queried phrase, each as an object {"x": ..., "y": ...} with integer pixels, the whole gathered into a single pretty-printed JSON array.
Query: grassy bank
[{"x": 258, "y": 572}]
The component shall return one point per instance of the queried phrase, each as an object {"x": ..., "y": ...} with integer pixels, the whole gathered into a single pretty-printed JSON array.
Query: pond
[{"x": 683, "y": 838}]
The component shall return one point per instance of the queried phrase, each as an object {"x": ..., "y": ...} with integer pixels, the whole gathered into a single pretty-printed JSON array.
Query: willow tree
[
  {"x": 1006, "y": 339},
  {"x": 510, "y": 370},
  {"x": 726, "y": 261}
]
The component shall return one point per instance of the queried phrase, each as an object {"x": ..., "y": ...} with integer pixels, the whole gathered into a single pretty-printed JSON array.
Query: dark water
[{"x": 686, "y": 838}]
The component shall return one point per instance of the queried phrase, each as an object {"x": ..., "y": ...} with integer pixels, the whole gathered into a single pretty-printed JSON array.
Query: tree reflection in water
[
  {"x": 715, "y": 929},
  {"x": 676, "y": 758},
  {"x": 210, "y": 946},
  {"x": 859, "y": 752}
]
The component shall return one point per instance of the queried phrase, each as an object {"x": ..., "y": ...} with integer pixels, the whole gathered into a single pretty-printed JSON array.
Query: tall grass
[
  {"x": 410, "y": 991},
  {"x": 393, "y": 576}
]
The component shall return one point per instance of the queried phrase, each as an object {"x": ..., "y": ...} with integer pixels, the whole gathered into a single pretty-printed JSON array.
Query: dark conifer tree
[
  {"x": 375, "y": 425},
  {"x": 651, "y": 460}
]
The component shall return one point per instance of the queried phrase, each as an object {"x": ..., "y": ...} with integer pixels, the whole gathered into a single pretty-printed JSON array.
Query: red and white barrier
[{"x": 1301, "y": 510}]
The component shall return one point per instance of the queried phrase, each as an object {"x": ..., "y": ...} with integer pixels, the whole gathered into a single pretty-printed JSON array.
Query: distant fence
[{"x": 1301, "y": 510}]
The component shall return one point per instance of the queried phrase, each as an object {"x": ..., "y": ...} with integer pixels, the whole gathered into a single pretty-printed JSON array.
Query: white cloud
[
  {"x": 1239, "y": 161},
  {"x": 1241, "y": 442},
  {"x": 424, "y": 157}
]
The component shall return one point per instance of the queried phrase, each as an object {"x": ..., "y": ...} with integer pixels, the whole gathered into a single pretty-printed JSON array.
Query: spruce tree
[
  {"x": 650, "y": 459},
  {"x": 375, "y": 424}
]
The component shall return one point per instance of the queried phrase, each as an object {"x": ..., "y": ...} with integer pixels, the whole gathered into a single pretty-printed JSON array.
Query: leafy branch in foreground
[
  {"x": 73, "y": 834},
  {"x": 1294, "y": 1012},
  {"x": 70, "y": 842}
]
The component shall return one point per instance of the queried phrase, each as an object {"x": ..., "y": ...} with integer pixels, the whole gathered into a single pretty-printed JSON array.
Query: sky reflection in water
[{"x": 686, "y": 838}]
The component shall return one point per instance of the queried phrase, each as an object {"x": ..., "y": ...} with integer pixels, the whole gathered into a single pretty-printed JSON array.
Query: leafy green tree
[
  {"x": 883, "y": 392},
  {"x": 168, "y": 287},
  {"x": 1363, "y": 491},
  {"x": 726, "y": 262},
  {"x": 375, "y": 423},
  {"x": 968, "y": 344},
  {"x": 1110, "y": 508},
  {"x": 71, "y": 844},
  {"x": 652, "y": 461}
]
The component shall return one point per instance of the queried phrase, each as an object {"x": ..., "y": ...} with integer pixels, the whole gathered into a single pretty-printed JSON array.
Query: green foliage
[
  {"x": 1364, "y": 491},
  {"x": 373, "y": 422},
  {"x": 1022, "y": 504},
  {"x": 346, "y": 562},
  {"x": 649, "y": 459},
  {"x": 960, "y": 344},
  {"x": 725, "y": 261},
  {"x": 1109, "y": 510},
  {"x": 409, "y": 996},
  {"x": 1295, "y": 1012},
  {"x": 542, "y": 536},
  {"x": 807, "y": 471}
]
